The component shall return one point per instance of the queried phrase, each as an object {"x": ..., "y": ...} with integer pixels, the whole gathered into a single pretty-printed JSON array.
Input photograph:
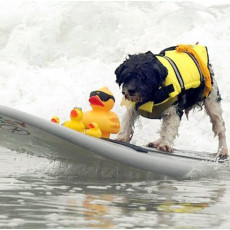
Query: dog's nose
[{"x": 131, "y": 92}]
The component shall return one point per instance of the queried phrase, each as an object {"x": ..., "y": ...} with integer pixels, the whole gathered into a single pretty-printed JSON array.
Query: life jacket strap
[
  {"x": 163, "y": 93},
  {"x": 177, "y": 73},
  {"x": 160, "y": 95}
]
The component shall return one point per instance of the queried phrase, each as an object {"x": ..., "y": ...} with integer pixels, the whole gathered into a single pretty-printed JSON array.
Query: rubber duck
[
  {"x": 75, "y": 122},
  {"x": 102, "y": 101},
  {"x": 55, "y": 120},
  {"x": 93, "y": 130}
]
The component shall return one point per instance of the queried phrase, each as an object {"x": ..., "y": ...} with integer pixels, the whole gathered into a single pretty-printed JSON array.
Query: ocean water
[{"x": 52, "y": 55}]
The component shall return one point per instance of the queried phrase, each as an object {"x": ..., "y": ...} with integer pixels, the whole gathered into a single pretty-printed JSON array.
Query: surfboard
[{"x": 94, "y": 158}]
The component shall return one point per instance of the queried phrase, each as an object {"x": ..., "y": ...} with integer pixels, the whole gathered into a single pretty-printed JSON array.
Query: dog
[{"x": 148, "y": 79}]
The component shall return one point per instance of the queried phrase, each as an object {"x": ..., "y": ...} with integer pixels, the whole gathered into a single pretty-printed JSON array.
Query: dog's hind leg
[
  {"x": 213, "y": 108},
  {"x": 127, "y": 124},
  {"x": 169, "y": 130}
]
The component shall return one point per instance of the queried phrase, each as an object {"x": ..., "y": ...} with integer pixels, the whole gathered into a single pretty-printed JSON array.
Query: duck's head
[
  {"x": 93, "y": 125},
  {"x": 76, "y": 114},
  {"x": 55, "y": 120},
  {"x": 102, "y": 99}
]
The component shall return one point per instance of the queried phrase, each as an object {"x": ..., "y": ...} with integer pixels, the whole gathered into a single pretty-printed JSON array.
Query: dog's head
[{"x": 140, "y": 76}]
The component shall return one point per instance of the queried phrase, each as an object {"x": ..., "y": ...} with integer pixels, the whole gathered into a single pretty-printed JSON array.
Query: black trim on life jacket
[{"x": 162, "y": 53}]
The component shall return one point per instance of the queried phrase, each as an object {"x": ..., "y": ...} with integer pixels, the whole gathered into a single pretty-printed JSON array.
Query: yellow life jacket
[{"x": 188, "y": 66}]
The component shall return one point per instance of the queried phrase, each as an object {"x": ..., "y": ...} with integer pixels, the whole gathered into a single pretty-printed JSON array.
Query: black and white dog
[{"x": 140, "y": 76}]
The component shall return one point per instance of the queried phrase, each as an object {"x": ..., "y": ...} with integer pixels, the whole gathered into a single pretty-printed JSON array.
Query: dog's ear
[
  {"x": 118, "y": 73},
  {"x": 154, "y": 71},
  {"x": 124, "y": 71},
  {"x": 150, "y": 54},
  {"x": 161, "y": 71}
]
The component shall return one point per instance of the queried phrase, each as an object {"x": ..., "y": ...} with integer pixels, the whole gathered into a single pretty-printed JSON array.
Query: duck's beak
[
  {"x": 95, "y": 100},
  {"x": 74, "y": 113},
  {"x": 91, "y": 126},
  {"x": 54, "y": 120}
]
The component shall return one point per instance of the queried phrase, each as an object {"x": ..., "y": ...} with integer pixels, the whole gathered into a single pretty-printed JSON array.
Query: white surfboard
[{"x": 94, "y": 158}]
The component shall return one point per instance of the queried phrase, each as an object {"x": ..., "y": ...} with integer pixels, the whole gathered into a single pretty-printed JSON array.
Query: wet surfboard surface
[{"x": 26, "y": 133}]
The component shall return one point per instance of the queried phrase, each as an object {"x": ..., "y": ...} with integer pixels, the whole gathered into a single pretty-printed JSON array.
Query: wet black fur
[{"x": 146, "y": 70}]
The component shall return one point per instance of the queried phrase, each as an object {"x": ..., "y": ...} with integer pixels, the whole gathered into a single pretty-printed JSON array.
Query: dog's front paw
[
  {"x": 223, "y": 153},
  {"x": 124, "y": 138},
  {"x": 161, "y": 145}
]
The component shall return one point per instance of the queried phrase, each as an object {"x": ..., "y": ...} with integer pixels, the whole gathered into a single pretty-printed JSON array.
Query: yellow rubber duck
[
  {"x": 102, "y": 101},
  {"x": 55, "y": 120},
  {"x": 75, "y": 120},
  {"x": 93, "y": 130}
]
